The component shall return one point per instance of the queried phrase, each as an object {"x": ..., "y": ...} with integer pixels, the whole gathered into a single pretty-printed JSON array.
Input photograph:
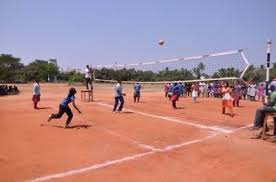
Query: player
[
  {"x": 175, "y": 95},
  {"x": 88, "y": 77},
  {"x": 236, "y": 94},
  {"x": 64, "y": 108},
  {"x": 136, "y": 94},
  {"x": 36, "y": 94},
  {"x": 227, "y": 99},
  {"x": 166, "y": 89},
  {"x": 195, "y": 90},
  {"x": 118, "y": 97}
]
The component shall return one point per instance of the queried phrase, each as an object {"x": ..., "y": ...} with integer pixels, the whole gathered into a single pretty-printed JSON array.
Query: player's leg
[
  {"x": 138, "y": 96},
  {"x": 174, "y": 104},
  {"x": 115, "y": 104},
  {"x": 35, "y": 101},
  {"x": 223, "y": 106},
  {"x": 134, "y": 96},
  {"x": 58, "y": 115},
  {"x": 86, "y": 82},
  {"x": 69, "y": 114},
  {"x": 121, "y": 98}
]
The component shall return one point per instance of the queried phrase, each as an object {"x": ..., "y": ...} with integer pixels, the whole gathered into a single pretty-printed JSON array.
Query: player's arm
[{"x": 75, "y": 106}]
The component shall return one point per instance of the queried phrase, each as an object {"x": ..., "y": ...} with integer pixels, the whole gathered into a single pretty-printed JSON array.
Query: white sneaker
[{"x": 49, "y": 118}]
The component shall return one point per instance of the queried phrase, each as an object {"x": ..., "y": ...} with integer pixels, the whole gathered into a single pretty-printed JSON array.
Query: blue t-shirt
[
  {"x": 176, "y": 90},
  {"x": 137, "y": 87},
  {"x": 181, "y": 87},
  {"x": 67, "y": 100}
]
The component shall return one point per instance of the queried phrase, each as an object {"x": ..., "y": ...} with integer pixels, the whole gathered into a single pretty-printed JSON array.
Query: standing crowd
[{"x": 246, "y": 91}]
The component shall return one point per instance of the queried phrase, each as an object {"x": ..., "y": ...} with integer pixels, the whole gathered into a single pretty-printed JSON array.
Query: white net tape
[{"x": 212, "y": 63}]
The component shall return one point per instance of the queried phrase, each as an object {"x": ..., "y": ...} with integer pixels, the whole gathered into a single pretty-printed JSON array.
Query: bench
[
  {"x": 89, "y": 94},
  {"x": 267, "y": 115}
]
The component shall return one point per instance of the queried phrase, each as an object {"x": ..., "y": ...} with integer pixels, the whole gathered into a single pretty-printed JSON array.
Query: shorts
[
  {"x": 136, "y": 94},
  {"x": 174, "y": 98},
  {"x": 36, "y": 98}
]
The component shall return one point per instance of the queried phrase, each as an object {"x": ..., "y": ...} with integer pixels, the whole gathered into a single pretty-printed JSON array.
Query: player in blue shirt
[
  {"x": 64, "y": 108},
  {"x": 175, "y": 95},
  {"x": 118, "y": 96},
  {"x": 136, "y": 94}
]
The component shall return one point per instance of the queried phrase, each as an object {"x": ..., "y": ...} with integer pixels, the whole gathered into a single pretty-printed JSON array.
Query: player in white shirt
[
  {"x": 36, "y": 93},
  {"x": 88, "y": 76}
]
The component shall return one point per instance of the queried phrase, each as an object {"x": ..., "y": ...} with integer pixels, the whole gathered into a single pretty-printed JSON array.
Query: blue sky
[{"x": 83, "y": 32}]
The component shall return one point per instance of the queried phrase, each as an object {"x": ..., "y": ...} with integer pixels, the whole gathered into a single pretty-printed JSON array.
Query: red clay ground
[{"x": 148, "y": 142}]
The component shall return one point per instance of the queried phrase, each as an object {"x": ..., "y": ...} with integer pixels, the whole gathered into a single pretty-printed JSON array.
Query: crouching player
[{"x": 64, "y": 108}]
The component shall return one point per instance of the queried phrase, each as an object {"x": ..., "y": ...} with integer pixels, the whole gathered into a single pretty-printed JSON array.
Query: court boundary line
[
  {"x": 119, "y": 161},
  {"x": 217, "y": 131},
  {"x": 140, "y": 144},
  {"x": 201, "y": 126},
  {"x": 127, "y": 158}
]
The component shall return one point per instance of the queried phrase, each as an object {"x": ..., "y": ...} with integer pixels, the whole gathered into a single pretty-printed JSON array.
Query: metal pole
[{"x": 269, "y": 44}]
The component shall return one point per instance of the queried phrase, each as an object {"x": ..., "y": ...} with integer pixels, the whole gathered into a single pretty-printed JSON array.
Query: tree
[
  {"x": 228, "y": 72},
  {"x": 10, "y": 68},
  {"x": 198, "y": 70},
  {"x": 40, "y": 69}
]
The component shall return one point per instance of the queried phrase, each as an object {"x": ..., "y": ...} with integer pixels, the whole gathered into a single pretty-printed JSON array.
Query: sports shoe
[{"x": 49, "y": 118}]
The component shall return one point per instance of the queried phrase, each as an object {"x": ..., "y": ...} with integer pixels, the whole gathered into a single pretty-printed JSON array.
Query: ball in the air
[{"x": 161, "y": 42}]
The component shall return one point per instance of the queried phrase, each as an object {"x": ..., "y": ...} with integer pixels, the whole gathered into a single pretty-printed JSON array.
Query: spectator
[
  {"x": 269, "y": 107},
  {"x": 36, "y": 94}
]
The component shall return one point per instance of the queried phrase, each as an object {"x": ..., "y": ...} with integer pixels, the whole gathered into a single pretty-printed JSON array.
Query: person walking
[{"x": 118, "y": 97}]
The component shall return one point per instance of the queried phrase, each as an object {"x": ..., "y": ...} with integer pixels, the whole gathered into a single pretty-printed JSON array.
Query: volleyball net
[{"x": 228, "y": 65}]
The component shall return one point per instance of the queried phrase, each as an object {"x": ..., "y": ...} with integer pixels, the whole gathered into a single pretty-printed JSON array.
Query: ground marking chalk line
[
  {"x": 215, "y": 128},
  {"x": 145, "y": 146},
  {"x": 118, "y": 161},
  {"x": 136, "y": 156}
]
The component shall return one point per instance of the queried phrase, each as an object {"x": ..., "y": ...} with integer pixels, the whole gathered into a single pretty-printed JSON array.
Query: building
[
  {"x": 53, "y": 61},
  {"x": 52, "y": 77}
]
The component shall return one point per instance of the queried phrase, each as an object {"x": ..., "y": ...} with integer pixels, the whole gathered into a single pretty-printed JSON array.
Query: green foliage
[
  {"x": 257, "y": 74},
  {"x": 198, "y": 70},
  {"x": 229, "y": 72},
  {"x": 72, "y": 76},
  {"x": 138, "y": 75},
  {"x": 40, "y": 69},
  {"x": 10, "y": 68}
]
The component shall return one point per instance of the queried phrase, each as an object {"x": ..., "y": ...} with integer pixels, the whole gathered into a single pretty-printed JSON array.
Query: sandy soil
[{"x": 149, "y": 141}]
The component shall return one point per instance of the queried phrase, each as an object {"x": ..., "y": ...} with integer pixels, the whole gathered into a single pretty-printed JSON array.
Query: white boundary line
[
  {"x": 145, "y": 146},
  {"x": 118, "y": 161},
  {"x": 214, "y": 128},
  {"x": 136, "y": 156},
  {"x": 149, "y": 147}
]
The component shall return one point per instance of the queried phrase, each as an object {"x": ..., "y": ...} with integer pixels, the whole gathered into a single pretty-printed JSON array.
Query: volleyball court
[{"x": 148, "y": 141}]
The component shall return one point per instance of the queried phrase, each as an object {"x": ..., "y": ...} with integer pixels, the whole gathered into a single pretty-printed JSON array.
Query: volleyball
[{"x": 161, "y": 42}]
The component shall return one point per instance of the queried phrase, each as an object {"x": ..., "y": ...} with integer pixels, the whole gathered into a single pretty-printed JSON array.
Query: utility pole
[{"x": 269, "y": 45}]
